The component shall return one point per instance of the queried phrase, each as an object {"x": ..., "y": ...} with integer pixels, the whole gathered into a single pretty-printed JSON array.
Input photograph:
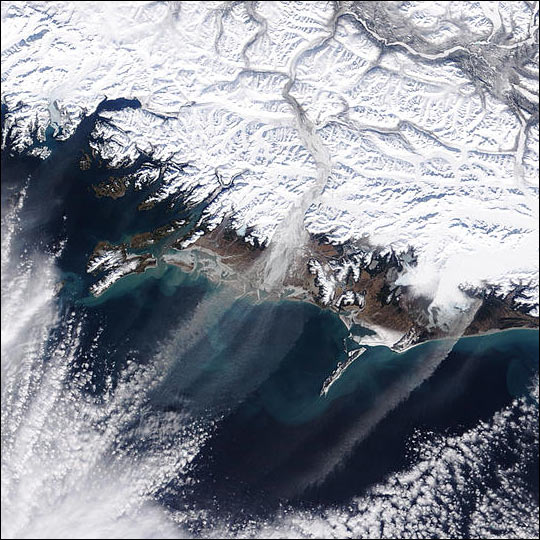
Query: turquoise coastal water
[
  {"x": 251, "y": 370},
  {"x": 296, "y": 345},
  {"x": 260, "y": 366}
]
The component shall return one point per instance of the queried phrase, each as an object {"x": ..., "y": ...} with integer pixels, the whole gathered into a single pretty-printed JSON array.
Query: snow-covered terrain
[
  {"x": 406, "y": 123},
  {"x": 79, "y": 465},
  {"x": 116, "y": 262}
]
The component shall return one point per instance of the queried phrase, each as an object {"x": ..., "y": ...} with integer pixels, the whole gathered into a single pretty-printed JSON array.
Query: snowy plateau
[{"x": 390, "y": 125}]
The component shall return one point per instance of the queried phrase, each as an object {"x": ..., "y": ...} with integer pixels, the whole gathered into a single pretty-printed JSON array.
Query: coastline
[
  {"x": 303, "y": 294},
  {"x": 358, "y": 286},
  {"x": 459, "y": 338}
]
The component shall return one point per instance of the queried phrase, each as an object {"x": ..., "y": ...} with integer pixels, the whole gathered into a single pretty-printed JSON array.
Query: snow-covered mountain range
[{"x": 400, "y": 124}]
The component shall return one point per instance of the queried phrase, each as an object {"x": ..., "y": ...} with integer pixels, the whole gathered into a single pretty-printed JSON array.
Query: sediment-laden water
[{"x": 169, "y": 407}]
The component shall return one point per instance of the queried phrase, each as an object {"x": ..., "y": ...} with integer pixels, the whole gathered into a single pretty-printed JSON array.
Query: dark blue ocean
[{"x": 256, "y": 369}]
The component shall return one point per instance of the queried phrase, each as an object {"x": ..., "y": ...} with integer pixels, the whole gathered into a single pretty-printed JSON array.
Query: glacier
[
  {"x": 349, "y": 150},
  {"x": 407, "y": 124},
  {"x": 78, "y": 464}
]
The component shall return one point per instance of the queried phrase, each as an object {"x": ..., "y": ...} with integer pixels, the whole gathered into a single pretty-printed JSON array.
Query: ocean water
[{"x": 189, "y": 411}]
